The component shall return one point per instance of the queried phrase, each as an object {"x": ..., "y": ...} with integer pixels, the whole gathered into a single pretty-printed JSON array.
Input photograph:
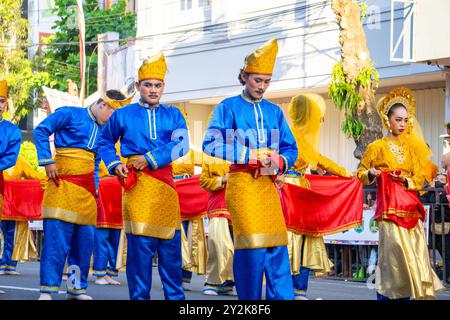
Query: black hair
[
  {"x": 114, "y": 95},
  {"x": 242, "y": 74},
  {"x": 395, "y": 107}
]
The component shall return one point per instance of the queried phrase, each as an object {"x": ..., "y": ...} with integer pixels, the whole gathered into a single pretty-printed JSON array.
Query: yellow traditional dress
[
  {"x": 219, "y": 265},
  {"x": 193, "y": 238},
  {"x": 404, "y": 268},
  {"x": 305, "y": 251}
]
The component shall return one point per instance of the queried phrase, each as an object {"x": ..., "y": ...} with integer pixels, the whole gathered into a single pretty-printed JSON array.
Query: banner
[{"x": 367, "y": 232}]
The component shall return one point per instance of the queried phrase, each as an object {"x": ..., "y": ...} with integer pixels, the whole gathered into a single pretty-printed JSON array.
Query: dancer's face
[
  {"x": 398, "y": 120},
  {"x": 256, "y": 85},
  {"x": 104, "y": 112},
  {"x": 151, "y": 90},
  {"x": 3, "y": 105}
]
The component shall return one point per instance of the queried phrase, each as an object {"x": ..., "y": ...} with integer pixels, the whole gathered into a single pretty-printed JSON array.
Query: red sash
[
  {"x": 109, "y": 204},
  {"x": 193, "y": 198},
  {"x": 332, "y": 205},
  {"x": 22, "y": 199},
  {"x": 164, "y": 174},
  {"x": 85, "y": 181},
  {"x": 217, "y": 205},
  {"x": 396, "y": 203}
]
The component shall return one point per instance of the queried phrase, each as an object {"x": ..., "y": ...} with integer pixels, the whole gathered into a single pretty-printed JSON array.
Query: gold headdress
[
  {"x": 154, "y": 67},
  {"x": 116, "y": 104},
  {"x": 412, "y": 136},
  {"x": 3, "y": 88},
  {"x": 262, "y": 60}
]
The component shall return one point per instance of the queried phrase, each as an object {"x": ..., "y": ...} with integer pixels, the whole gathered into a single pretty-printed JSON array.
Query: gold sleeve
[
  {"x": 332, "y": 167},
  {"x": 208, "y": 180},
  {"x": 366, "y": 164},
  {"x": 27, "y": 171},
  {"x": 417, "y": 178}
]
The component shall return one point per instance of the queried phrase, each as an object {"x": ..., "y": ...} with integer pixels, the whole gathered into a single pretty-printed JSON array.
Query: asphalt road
[{"x": 26, "y": 287}]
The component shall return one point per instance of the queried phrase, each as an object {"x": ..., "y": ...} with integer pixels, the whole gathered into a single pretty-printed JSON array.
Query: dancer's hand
[
  {"x": 225, "y": 179},
  {"x": 52, "y": 171},
  {"x": 140, "y": 163},
  {"x": 375, "y": 173},
  {"x": 400, "y": 177},
  {"x": 279, "y": 180},
  {"x": 121, "y": 171}
]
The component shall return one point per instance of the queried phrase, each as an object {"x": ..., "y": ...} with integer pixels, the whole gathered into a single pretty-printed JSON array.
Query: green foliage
[
  {"x": 28, "y": 151},
  {"x": 347, "y": 97},
  {"x": 14, "y": 64},
  {"x": 363, "y": 7},
  {"x": 62, "y": 62}
]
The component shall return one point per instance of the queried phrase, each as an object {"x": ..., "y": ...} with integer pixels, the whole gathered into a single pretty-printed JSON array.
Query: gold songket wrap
[
  {"x": 151, "y": 207},
  {"x": 255, "y": 209},
  {"x": 71, "y": 202}
]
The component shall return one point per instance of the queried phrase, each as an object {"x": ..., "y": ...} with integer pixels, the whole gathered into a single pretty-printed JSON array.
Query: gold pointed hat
[
  {"x": 262, "y": 60},
  {"x": 154, "y": 67},
  {"x": 3, "y": 88}
]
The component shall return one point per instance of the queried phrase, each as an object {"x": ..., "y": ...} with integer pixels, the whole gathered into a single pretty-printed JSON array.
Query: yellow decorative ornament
[
  {"x": 116, "y": 104},
  {"x": 154, "y": 67},
  {"x": 3, "y": 88},
  {"x": 412, "y": 136},
  {"x": 262, "y": 60}
]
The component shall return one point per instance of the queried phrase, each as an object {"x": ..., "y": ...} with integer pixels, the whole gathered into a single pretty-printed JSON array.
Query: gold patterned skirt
[
  {"x": 151, "y": 207},
  {"x": 404, "y": 263},
  {"x": 255, "y": 209}
]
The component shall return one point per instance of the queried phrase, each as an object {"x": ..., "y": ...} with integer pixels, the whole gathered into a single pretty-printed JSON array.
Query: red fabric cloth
[
  {"x": 217, "y": 205},
  {"x": 164, "y": 174},
  {"x": 22, "y": 199},
  {"x": 85, "y": 181},
  {"x": 396, "y": 203},
  {"x": 332, "y": 205},
  {"x": 2, "y": 181},
  {"x": 109, "y": 213},
  {"x": 193, "y": 198}
]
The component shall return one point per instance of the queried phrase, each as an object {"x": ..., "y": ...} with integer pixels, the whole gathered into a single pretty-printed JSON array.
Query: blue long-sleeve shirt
[
  {"x": 239, "y": 126},
  {"x": 159, "y": 133},
  {"x": 10, "y": 141},
  {"x": 73, "y": 127}
]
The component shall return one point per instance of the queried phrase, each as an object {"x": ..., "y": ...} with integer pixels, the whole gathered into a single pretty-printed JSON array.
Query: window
[
  {"x": 185, "y": 4},
  {"x": 203, "y": 3}
]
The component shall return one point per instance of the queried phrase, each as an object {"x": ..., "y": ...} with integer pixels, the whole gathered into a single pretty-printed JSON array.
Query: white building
[{"x": 205, "y": 43}]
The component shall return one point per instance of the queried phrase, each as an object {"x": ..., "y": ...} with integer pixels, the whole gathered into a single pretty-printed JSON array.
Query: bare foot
[
  {"x": 112, "y": 281},
  {"x": 45, "y": 296},
  {"x": 12, "y": 273},
  {"x": 101, "y": 281},
  {"x": 80, "y": 297}
]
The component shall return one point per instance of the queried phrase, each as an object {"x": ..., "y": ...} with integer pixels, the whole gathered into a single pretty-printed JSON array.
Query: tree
[
  {"x": 14, "y": 64},
  {"x": 354, "y": 78},
  {"x": 61, "y": 57}
]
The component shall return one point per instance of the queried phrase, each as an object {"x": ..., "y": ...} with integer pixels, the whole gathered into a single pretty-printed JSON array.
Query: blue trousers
[
  {"x": 8, "y": 230},
  {"x": 301, "y": 282},
  {"x": 106, "y": 244},
  {"x": 250, "y": 265},
  {"x": 187, "y": 275},
  {"x": 66, "y": 240},
  {"x": 140, "y": 252}
]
